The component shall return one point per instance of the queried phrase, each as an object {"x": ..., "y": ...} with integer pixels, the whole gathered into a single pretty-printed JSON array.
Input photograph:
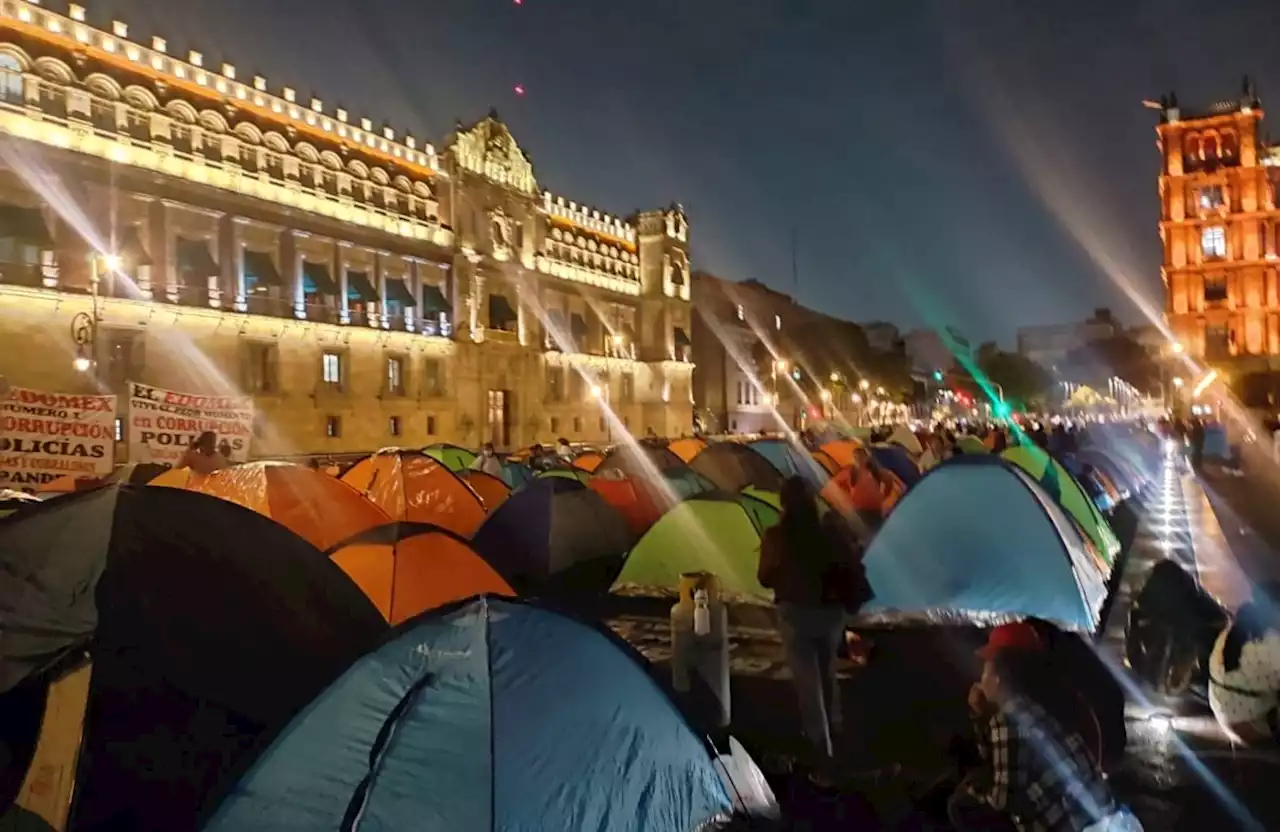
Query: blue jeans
[{"x": 810, "y": 638}]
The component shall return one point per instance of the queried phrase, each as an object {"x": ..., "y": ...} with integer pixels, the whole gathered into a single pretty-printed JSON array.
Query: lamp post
[{"x": 84, "y": 326}]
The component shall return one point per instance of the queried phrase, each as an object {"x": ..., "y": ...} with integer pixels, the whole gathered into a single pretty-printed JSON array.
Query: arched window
[{"x": 10, "y": 79}]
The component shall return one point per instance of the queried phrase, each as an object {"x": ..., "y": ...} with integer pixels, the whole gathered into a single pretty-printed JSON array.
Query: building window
[
  {"x": 433, "y": 378},
  {"x": 1215, "y": 288},
  {"x": 260, "y": 368},
  {"x": 1210, "y": 197},
  {"x": 331, "y": 369},
  {"x": 742, "y": 314},
  {"x": 555, "y": 424},
  {"x": 10, "y": 79},
  {"x": 1213, "y": 242},
  {"x": 123, "y": 357},
  {"x": 395, "y": 375},
  {"x": 555, "y": 384},
  {"x": 431, "y": 426},
  {"x": 333, "y": 427},
  {"x": 602, "y": 424},
  {"x": 119, "y": 429},
  {"x": 628, "y": 391},
  {"x": 1217, "y": 342},
  {"x": 393, "y": 425},
  {"x": 577, "y": 424}
]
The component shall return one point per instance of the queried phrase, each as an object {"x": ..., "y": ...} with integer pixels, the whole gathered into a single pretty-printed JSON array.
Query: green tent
[
  {"x": 971, "y": 445},
  {"x": 451, "y": 456},
  {"x": 709, "y": 532},
  {"x": 565, "y": 473},
  {"x": 765, "y": 507},
  {"x": 1059, "y": 482}
]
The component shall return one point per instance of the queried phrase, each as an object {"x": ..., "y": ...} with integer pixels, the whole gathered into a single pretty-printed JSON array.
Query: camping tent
[
  {"x": 733, "y": 466},
  {"x": 841, "y": 451},
  {"x": 515, "y": 473},
  {"x": 1125, "y": 477},
  {"x": 825, "y": 461},
  {"x": 412, "y": 486},
  {"x": 208, "y": 627},
  {"x": 407, "y": 568},
  {"x": 711, "y": 532},
  {"x": 687, "y": 448},
  {"x": 453, "y": 457},
  {"x": 969, "y": 444},
  {"x": 310, "y": 503},
  {"x": 588, "y": 461},
  {"x": 555, "y": 535},
  {"x": 491, "y": 715},
  {"x": 979, "y": 539},
  {"x": 1059, "y": 483},
  {"x": 897, "y": 460},
  {"x": 563, "y": 472},
  {"x": 790, "y": 459},
  {"x": 640, "y": 461},
  {"x": 491, "y": 490}
]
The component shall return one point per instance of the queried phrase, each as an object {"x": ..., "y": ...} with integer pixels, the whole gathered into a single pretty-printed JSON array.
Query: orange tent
[
  {"x": 687, "y": 449},
  {"x": 633, "y": 501},
  {"x": 406, "y": 568},
  {"x": 492, "y": 491},
  {"x": 177, "y": 478},
  {"x": 588, "y": 461},
  {"x": 828, "y": 464},
  {"x": 848, "y": 494},
  {"x": 311, "y": 504},
  {"x": 841, "y": 451},
  {"x": 412, "y": 486}
]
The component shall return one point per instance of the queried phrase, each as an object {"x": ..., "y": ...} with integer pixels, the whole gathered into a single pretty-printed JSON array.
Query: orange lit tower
[{"x": 1218, "y": 226}]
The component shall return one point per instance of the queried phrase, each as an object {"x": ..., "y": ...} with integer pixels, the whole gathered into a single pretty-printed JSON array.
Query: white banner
[
  {"x": 163, "y": 423},
  {"x": 44, "y": 436}
]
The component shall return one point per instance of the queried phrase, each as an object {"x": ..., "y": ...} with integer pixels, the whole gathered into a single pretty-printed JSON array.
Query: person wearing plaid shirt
[{"x": 1035, "y": 775}]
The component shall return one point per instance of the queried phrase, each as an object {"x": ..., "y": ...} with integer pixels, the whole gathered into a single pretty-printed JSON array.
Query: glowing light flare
[{"x": 519, "y": 89}]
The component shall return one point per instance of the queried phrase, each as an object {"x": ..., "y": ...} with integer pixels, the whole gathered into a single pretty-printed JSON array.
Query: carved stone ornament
[
  {"x": 500, "y": 232},
  {"x": 489, "y": 150}
]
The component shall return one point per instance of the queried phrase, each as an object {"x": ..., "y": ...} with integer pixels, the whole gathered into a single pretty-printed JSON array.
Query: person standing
[
  {"x": 487, "y": 461},
  {"x": 203, "y": 457},
  {"x": 816, "y": 576}
]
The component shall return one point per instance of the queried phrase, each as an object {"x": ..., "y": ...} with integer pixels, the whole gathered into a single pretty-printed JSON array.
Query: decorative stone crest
[
  {"x": 501, "y": 234},
  {"x": 489, "y": 150}
]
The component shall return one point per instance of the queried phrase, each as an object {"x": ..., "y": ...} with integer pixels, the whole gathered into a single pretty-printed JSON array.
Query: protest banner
[
  {"x": 44, "y": 436},
  {"x": 164, "y": 423}
]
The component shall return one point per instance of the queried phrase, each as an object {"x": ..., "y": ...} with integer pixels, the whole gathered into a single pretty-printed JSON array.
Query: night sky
[{"x": 982, "y": 163}]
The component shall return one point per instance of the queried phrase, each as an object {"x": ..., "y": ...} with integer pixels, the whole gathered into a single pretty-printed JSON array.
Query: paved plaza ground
[{"x": 902, "y": 709}]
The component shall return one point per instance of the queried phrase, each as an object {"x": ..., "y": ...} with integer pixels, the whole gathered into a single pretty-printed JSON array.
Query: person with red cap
[{"x": 1034, "y": 773}]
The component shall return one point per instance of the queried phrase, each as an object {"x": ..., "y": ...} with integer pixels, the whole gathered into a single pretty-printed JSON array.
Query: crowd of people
[{"x": 1046, "y": 715}]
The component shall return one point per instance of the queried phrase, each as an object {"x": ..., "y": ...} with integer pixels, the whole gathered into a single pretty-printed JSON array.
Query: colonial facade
[
  {"x": 1218, "y": 226},
  {"x": 368, "y": 289},
  {"x": 766, "y": 363}
]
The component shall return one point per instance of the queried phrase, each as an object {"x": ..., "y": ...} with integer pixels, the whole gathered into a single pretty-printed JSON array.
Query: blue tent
[
  {"x": 1122, "y": 475},
  {"x": 553, "y": 535},
  {"x": 790, "y": 459},
  {"x": 515, "y": 474},
  {"x": 978, "y": 539},
  {"x": 492, "y": 714},
  {"x": 1086, "y": 474},
  {"x": 896, "y": 459}
]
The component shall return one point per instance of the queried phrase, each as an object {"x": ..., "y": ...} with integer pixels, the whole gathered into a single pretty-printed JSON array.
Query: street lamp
[
  {"x": 1177, "y": 348},
  {"x": 825, "y": 394},
  {"x": 879, "y": 391},
  {"x": 1178, "y": 382},
  {"x": 864, "y": 384},
  {"x": 835, "y": 377}
]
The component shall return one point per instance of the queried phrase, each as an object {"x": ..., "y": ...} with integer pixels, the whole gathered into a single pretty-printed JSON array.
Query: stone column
[
  {"x": 340, "y": 277},
  {"x": 378, "y": 312},
  {"x": 231, "y": 260},
  {"x": 291, "y": 272},
  {"x": 161, "y": 242},
  {"x": 414, "y": 281}
]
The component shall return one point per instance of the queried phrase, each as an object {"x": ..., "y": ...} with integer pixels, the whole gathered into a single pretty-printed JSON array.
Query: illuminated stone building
[
  {"x": 1218, "y": 226},
  {"x": 366, "y": 286},
  {"x": 766, "y": 363}
]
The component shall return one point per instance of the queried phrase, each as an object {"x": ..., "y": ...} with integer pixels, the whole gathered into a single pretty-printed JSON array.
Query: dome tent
[
  {"x": 490, "y": 714},
  {"x": 733, "y": 467},
  {"x": 412, "y": 486},
  {"x": 1059, "y": 484},
  {"x": 144, "y": 579},
  {"x": 710, "y": 532},
  {"x": 453, "y": 457},
  {"x": 407, "y": 568},
  {"x": 978, "y": 539},
  {"x": 790, "y": 458},
  {"x": 554, "y": 535}
]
